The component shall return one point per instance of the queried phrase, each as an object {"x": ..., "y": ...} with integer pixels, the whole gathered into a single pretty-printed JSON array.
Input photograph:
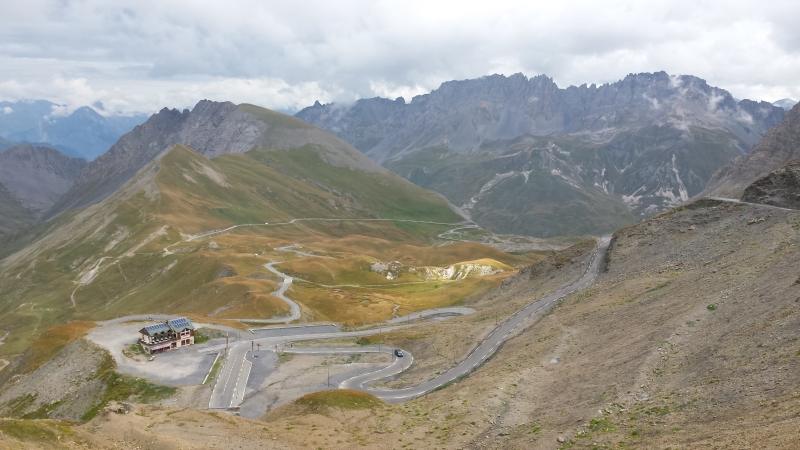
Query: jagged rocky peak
[
  {"x": 210, "y": 128},
  {"x": 463, "y": 114},
  {"x": 644, "y": 143}
]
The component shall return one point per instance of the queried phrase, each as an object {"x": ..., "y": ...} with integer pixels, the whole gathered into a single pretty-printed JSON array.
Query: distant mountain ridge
[
  {"x": 83, "y": 133},
  {"x": 586, "y": 159},
  {"x": 785, "y": 103},
  {"x": 464, "y": 114}
]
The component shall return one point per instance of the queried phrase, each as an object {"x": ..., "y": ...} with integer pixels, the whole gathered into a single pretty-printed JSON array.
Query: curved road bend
[
  {"x": 489, "y": 346},
  {"x": 228, "y": 390},
  {"x": 226, "y": 396}
]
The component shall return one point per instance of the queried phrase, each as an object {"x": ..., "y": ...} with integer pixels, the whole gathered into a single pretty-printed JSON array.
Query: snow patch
[{"x": 682, "y": 191}]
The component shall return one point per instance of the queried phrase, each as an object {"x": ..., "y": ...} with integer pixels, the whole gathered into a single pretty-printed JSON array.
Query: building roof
[
  {"x": 176, "y": 325},
  {"x": 180, "y": 324},
  {"x": 152, "y": 330}
]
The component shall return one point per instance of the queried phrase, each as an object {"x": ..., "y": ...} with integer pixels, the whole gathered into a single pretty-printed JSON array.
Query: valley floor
[{"x": 687, "y": 339}]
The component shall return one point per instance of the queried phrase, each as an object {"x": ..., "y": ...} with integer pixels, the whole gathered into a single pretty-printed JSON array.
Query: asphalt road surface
[
  {"x": 228, "y": 391},
  {"x": 484, "y": 350},
  {"x": 227, "y": 394}
]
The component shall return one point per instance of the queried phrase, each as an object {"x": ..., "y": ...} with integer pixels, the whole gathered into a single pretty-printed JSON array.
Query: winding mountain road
[
  {"x": 512, "y": 326},
  {"x": 230, "y": 386},
  {"x": 225, "y": 396}
]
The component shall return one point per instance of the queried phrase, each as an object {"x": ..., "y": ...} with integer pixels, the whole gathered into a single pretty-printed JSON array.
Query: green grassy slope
[{"x": 185, "y": 193}]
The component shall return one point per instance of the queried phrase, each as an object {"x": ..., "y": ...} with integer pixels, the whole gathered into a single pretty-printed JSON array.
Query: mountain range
[
  {"x": 182, "y": 173},
  {"x": 522, "y": 155},
  {"x": 188, "y": 212},
  {"x": 83, "y": 133},
  {"x": 211, "y": 129}
]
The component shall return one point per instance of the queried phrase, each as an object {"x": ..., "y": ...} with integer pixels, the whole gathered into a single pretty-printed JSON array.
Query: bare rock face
[
  {"x": 463, "y": 115},
  {"x": 522, "y": 155},
  {"x": 779, "y": 188},
  {"x": 779, "y": 146},
  {"x": 210, "y": 128}
]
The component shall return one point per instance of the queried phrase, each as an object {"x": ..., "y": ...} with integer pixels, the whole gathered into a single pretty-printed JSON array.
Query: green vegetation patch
[
  {"x": 601, "y": 424},
  {"x": 212, "y": 374},
  {"x": 122, "y": 387},
  {"x": 33, "y": 430},
  {"x": 133, "y": 350}
]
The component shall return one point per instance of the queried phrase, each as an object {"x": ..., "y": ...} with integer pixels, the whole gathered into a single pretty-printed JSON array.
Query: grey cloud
[{"x": 140, "y": 55}]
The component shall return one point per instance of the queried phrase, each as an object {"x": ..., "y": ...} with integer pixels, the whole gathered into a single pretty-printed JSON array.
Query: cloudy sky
[{"x": 141, "y": 55}]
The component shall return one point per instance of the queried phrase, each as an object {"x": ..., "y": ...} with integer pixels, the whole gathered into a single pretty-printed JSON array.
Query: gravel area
[{"x": 182, "y": 367}]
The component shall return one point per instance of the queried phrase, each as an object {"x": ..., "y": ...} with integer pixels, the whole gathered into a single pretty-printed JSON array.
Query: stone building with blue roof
[{"x": 167, "y": 335}]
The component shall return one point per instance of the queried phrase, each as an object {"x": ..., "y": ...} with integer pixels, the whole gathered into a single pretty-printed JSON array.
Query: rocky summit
[
  {"x": 523, "y": 155},
  {"x": 210, "y": 128}
]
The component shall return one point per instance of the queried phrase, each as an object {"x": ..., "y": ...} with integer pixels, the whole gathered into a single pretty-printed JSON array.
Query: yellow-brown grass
[
  {"x": 52, "y": 341},
  {"x": 339, "y": 398}
]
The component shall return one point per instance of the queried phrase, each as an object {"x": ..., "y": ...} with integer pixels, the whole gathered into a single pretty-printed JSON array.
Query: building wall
[{"x": 181, "y": 340}]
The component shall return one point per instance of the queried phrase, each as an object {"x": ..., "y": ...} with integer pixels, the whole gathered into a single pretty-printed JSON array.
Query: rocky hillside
[
  {"x": 779, "y": 188},
  {"x": 83, "y": 133},
  {"x": 778, "y": 147},
  {"x": 64, "y": 272},
  {"x": 32, "y": 179},
  {"x": 585, "y": 159},
  {"x": 211, "y": 128},
  {"x": 37, "y": 176},
  {"x": 698, "y": 349}
]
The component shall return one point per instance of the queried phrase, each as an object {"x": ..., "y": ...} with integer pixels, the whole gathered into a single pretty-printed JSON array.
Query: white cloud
[
  {"x": 8, "y": 110},
  {"x": 139, "y": 55}
]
